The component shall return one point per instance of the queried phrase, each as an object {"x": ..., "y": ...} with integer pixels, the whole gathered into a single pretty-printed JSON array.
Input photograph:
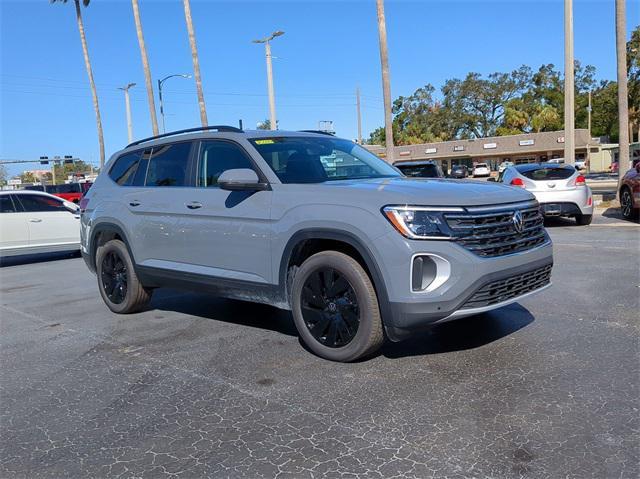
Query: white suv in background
[{"x": 481, "y": 169}]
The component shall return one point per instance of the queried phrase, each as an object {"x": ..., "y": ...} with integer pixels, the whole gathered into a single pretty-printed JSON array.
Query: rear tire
[
  {"x": 584, "y": 220},
  {"x": 118, "y": 283},
  {"x": 335, "y": 307}
]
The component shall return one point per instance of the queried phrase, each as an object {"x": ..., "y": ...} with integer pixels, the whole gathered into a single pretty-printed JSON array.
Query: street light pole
[
  {"x": 272, "y": 98},
  {"x": 125, "y": 89},
  {"x": 569, "y": 118},
  {"x": 160, "y": 82},
  {"x": 359, "y": 116},
  {"x": 386, "y": 87}
]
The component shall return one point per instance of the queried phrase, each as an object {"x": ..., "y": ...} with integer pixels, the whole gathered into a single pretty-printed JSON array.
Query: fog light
[{"x": 428, "y": 272}]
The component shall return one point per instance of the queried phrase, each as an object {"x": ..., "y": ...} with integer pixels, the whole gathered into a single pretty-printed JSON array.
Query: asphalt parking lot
[{"x": 198, "y": 386}]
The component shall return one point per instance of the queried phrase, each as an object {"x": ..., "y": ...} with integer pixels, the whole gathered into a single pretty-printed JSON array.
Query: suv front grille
[
  {"x": 493, "y": 233},
  {"x": 505, "y": 289}
]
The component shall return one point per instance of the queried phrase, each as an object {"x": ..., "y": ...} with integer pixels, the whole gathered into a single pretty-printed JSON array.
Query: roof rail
[
  {"x": 226, "y": 128},
  {"x": 320, "y": 132}
]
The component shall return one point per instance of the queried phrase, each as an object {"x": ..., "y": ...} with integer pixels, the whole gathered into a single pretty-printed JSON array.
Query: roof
[{"x": 490, "y": 146}]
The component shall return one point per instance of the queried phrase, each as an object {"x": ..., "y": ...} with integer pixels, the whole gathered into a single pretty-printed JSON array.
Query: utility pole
[
  {"x": 125, "y": 89},
  {"x": 386, "y": 87},
  {"x": 623, "y": 93},
  {"x": 160, "y": 83},
  {"x": 272, "y": 99},
  {"x": 196, "y": 62},
  {"x": 359, "y": 116},
  {"x": 589, "y": 115},
  {"x": 569, "y": 115}
]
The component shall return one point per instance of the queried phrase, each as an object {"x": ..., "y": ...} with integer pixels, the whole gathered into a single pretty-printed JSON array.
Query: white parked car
[
  {"x": 560, "y": 189},
  {"x": 481, "y": 169},
  {"x": 37, "y": 222}
]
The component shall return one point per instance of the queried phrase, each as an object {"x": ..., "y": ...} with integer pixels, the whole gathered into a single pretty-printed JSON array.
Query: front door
[
  {"x": 49, "y": 222},
  {"x": 226, "y": 233}
]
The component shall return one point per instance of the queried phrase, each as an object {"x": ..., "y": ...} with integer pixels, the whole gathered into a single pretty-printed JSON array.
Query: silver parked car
[
  {"x": 560, "y": 189},
  {"x": 310, "y": 223}
]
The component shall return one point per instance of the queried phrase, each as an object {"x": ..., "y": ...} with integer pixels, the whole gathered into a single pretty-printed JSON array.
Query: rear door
[
  {"x": 155, "y": 202},
  {"x": 14, "y": 229},
  {"x": 226, "y": 233},
  {"x": 49, "y": 222}
]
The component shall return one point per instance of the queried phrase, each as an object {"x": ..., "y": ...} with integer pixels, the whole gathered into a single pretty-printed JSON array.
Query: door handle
[
  {"x": 194, "y": 205},
  {"x": 35, "y": 220},
  {"x": 134, "y": 203}
]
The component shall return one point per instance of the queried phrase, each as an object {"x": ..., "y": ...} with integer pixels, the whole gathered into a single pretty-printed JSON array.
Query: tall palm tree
[
  {"x": 386, "y": 84},
  {"x": 145, "y": 66},
  {"x": 623, "y": 92},
  {"x": 196, "y": 62},
  {"x": 87, "y": 63}
]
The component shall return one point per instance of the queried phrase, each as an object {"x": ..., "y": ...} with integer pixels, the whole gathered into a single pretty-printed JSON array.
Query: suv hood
[{"x": 433, "y": 191}]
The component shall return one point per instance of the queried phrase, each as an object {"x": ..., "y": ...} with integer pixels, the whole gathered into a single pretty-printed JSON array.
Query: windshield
[
  {"x": 420, "y": 171},
  {"x": 314, "y": 160}
]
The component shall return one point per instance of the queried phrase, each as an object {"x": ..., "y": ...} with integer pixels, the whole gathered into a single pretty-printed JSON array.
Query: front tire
[
  {"x": 584, "y": 220},
  {"x": 118, "y": 283},
  {"x": 335, "y": 307}
]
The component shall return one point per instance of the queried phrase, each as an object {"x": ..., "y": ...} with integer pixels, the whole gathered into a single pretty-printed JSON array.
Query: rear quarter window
[{"x": 124, "y": 169}]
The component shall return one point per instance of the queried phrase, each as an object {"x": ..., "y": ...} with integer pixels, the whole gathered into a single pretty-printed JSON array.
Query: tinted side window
[
  {"x": 124, "y": 169},
  {"x": 217, "y": 157},
  {"x": 6, "y": 204},
  {"x": 168, "y": 165},
  {"x": 33, "y": 203}
]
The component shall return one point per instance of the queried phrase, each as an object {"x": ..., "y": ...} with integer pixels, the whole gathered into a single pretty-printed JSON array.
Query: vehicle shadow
[
  {"x": 462, "y": 334},
  {"x": 36, "y": 258},
  {"x": 558, "y": 221},
  {"x": 242, "y": 313}
]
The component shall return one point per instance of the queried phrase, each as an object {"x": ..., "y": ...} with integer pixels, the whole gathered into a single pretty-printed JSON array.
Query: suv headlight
[{"x": 419, "y": 222}]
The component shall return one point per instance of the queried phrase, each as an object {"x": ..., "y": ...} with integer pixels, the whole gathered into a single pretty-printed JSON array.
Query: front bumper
[{"x": 407, "y": 311}]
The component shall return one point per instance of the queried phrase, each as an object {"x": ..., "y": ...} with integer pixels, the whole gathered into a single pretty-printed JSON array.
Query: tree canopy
[{"x": 520, "y": 101}]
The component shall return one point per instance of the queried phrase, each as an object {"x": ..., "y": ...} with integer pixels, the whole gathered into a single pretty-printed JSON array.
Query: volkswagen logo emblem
[{"x": 518, "y": 221}]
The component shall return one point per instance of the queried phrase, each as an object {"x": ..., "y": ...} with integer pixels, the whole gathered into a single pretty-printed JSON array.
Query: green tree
[
  {"x": 62, "y": 171},
  {"x": 264, "y": 125},
  {"x": 28, "y": 177},
  {"x": 4, "y": 175},
  {"x": 633, "y": 71}
]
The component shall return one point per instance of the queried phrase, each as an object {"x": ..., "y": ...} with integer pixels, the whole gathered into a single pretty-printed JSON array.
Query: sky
[{"x": 328, "y": 49}]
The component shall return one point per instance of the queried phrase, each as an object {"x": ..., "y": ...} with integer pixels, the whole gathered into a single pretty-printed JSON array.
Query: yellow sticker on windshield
[{"x": 264, "y": 142}]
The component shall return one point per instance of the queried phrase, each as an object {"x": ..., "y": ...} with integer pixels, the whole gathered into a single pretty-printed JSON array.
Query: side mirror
[
  {"x": 241, "y": 179},
  {"x": 491, "y": 178}
]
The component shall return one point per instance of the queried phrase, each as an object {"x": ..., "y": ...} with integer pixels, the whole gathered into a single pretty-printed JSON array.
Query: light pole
[
  {"x": 160, "y": 82},
  {"x": 125, "y": 89},
  {"x": 623, "y": 92},
  {"x": 272, "y": 99},
  {"x": 569, "y": 119}
]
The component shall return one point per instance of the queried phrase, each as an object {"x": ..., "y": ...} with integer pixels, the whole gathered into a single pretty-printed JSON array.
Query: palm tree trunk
[
  {"x": 196, "y": 62},
  {"x": 94, "y": 93},
  {"x": 623, "y": 94},
  {"x": 145, "y": 66},
  {"x": 386, "y": 86}
]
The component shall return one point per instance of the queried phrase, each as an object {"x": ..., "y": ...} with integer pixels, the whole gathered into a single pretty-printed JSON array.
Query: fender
[
  {"x": 345, "y": 237},
  {"x": 99, "y": 228}
]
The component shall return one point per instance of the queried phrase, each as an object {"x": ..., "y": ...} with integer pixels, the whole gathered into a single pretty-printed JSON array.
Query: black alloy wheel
[
  {"x": 114, "y": 277},
  {"x": 330, "y": 307},
  {"x": 626, "y": 203}
]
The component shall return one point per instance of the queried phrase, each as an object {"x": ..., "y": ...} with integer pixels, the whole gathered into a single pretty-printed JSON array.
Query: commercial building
[{"x": 524, "y": 148}]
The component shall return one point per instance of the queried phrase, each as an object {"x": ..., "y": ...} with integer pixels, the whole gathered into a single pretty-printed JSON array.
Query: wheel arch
[
  {"x": 328, "y": 237},
  {"x": 103, "y": 232}
]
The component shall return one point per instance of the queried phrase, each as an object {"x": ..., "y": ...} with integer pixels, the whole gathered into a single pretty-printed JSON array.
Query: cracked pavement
[{"x": 203, "y": 387}]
